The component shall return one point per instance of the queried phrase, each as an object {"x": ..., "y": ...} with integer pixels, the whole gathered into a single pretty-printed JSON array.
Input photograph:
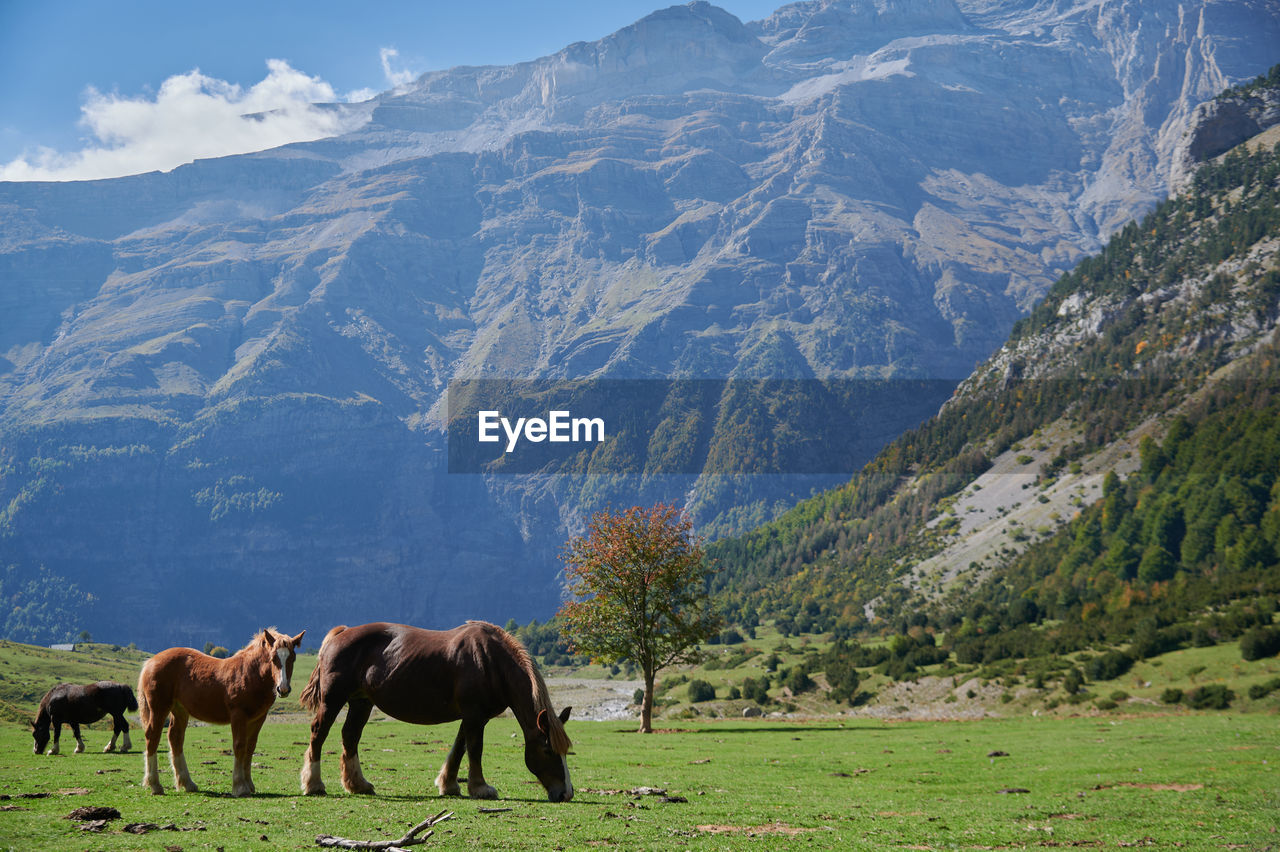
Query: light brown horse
[
  {"x": 182, "y": 682},
  {"x": 426, "y": 677}
]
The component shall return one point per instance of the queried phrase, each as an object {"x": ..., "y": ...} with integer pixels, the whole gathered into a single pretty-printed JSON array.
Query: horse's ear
[
  {"x": 297, "y": 640},
  {"x": 268, "y": 637},
  {"x": 564, "y": 715},
  {"x": 542, "y": 723}
]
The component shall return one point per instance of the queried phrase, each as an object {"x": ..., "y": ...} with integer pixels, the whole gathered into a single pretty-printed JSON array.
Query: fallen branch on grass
[{"x": 410, "y": 838}]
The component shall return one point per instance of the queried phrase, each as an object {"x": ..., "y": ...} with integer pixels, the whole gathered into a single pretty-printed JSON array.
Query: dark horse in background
[
  {"x": 75, "y": 705},
  {"x": 472, "y": 673}
]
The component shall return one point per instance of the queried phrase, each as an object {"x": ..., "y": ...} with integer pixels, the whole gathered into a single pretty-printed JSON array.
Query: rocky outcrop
[{"x": 1221, "y": 124}]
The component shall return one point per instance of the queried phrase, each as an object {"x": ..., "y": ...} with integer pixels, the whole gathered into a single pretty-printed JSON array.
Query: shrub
[
  {"x": 1262, "y": 690},
  {"x": 1172, "y": 695},
  {"x": 1215, "y": 696},
  {"x": 1105, "y": 704},
  {"x": 1073, "y": 681},
  {"x": 798, "y": 680},
  {"x": 1109, "y": 666},
  {"x": 756, "y": 690},
  {"x": 1119, "y": 695},
  {"x": 730, "y": 636},
  {"x": 637, "y": 697},
  {"x": 700, "y": 690},
  {"x": 734, "y": 693},
  {"x": 1260, "y": 644}
]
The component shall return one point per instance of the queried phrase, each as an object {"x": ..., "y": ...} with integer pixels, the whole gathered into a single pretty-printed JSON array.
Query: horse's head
[
  {"x": 544, "y": 754},
  {"x": 282, "y": 650},
  {"x": 41, "y": 734}
]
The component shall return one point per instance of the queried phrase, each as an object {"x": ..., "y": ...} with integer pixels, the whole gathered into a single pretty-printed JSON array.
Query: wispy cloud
[
  {"x": 191, "y": 116},
  {"x": 403, "y": 77}
]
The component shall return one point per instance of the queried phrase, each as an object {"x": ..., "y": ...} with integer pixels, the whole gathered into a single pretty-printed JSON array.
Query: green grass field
[
  {"x": 1190, "y": 781},
  {"x": 1170, "y": 778}
]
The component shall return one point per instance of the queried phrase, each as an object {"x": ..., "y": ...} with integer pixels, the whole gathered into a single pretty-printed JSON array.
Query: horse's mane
[
  {"x": 252, "y": 644},
  {"x": 541, "y": 699}
]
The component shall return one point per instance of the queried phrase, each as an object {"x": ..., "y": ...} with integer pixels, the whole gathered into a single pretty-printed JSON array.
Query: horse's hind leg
[
  {"x": 476, "y": 786},
  {"x": 358, "y": 710},
  {"x": 447, "y": 780},
  {"x": 153, "y": 716},
  {"x": 321, "y": 721},
  {"x": 178, "y": 760},
  {"x": 119, "y": 725}
]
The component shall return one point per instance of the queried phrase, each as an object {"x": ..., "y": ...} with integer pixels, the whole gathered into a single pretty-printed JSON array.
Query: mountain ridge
[{"x": 243, "y": 362}]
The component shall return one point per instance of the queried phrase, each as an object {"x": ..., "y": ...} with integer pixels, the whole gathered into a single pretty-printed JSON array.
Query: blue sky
[{"x": 78, "y": 75}]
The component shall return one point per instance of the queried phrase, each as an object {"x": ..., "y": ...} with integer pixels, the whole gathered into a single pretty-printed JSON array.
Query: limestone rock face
[
  {"x": 1219, "y": 125},
  {"x": 230, "y": 376}
]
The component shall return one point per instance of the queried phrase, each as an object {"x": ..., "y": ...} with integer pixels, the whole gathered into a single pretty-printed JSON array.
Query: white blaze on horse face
[{"x": 282, "y": 681}]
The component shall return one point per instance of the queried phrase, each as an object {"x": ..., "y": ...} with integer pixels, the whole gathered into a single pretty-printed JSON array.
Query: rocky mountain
[
  {"x": 1112, "y": 462},
  {"x": 222, "y": 388}
]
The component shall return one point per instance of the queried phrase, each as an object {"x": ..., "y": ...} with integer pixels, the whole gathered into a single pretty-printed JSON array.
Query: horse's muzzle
[
  {"x": 283, "y": 691},
  {"x": 560, "y": 795}
]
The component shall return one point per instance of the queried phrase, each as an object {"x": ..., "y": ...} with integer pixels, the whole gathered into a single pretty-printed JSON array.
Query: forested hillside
[{"x": 1159, "y": 350}]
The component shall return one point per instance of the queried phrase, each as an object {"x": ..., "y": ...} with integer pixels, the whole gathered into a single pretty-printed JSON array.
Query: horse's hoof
[
  {"x": 243, "y": 792},
  {"x": 188, "y": 787},
  {"x": 156, "y": 789},
  {"x": 483, "y": 792},
  {"x": 108, "y": 749},
  {"x": 79, "y": 749},
  {"x": 450, "y": 789},
  {"x": 315, "y": 791}
]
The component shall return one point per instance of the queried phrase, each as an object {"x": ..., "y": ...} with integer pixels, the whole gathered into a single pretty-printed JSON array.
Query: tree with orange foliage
[{"x": 639, "y": 584}]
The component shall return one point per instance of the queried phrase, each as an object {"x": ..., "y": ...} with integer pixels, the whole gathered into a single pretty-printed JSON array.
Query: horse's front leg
[
  {"x": 75, "y": 731},
  {"x": 177, "y": 759},
  {"x": 57, "y": 735},
  {"x": 476, "y": 786},
  {"x": 358, "y": 710},
  {"x": 244, "y": 737},
  {"x": 447, "y": 780}
]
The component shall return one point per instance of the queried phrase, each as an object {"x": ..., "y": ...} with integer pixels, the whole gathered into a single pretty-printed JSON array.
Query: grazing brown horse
[
  {"x": 426, "y": 677},
  {"x": 182, "y": 682},
  {"x": 74, "y": 705}
]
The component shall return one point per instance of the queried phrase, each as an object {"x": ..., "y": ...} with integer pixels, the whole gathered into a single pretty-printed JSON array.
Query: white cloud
[
  {"x": 399, "y": 78},
  {"x": 191, "y": 116}
]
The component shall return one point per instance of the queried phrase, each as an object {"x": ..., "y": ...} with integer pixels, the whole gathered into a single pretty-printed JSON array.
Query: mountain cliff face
[
  {"x": 221, "y": 387},
  {"x": 1121, "y": 439}
]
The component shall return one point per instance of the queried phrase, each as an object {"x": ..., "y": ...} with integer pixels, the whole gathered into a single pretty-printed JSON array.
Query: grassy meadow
[
  {"x": 1189, "y": 781},
  {"x": 1169, "y": 778},
  {"x": 1177, "y": 780}
]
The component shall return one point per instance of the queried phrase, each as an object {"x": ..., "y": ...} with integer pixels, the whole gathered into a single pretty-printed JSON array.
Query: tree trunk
[{"x": 646, "y": 706}]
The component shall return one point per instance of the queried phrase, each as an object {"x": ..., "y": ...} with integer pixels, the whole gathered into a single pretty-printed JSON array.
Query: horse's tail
[
  {"x": 310, "y": 697},
  {"x": 131, "y": 700},
  {"x": 140, "y": 698}
]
